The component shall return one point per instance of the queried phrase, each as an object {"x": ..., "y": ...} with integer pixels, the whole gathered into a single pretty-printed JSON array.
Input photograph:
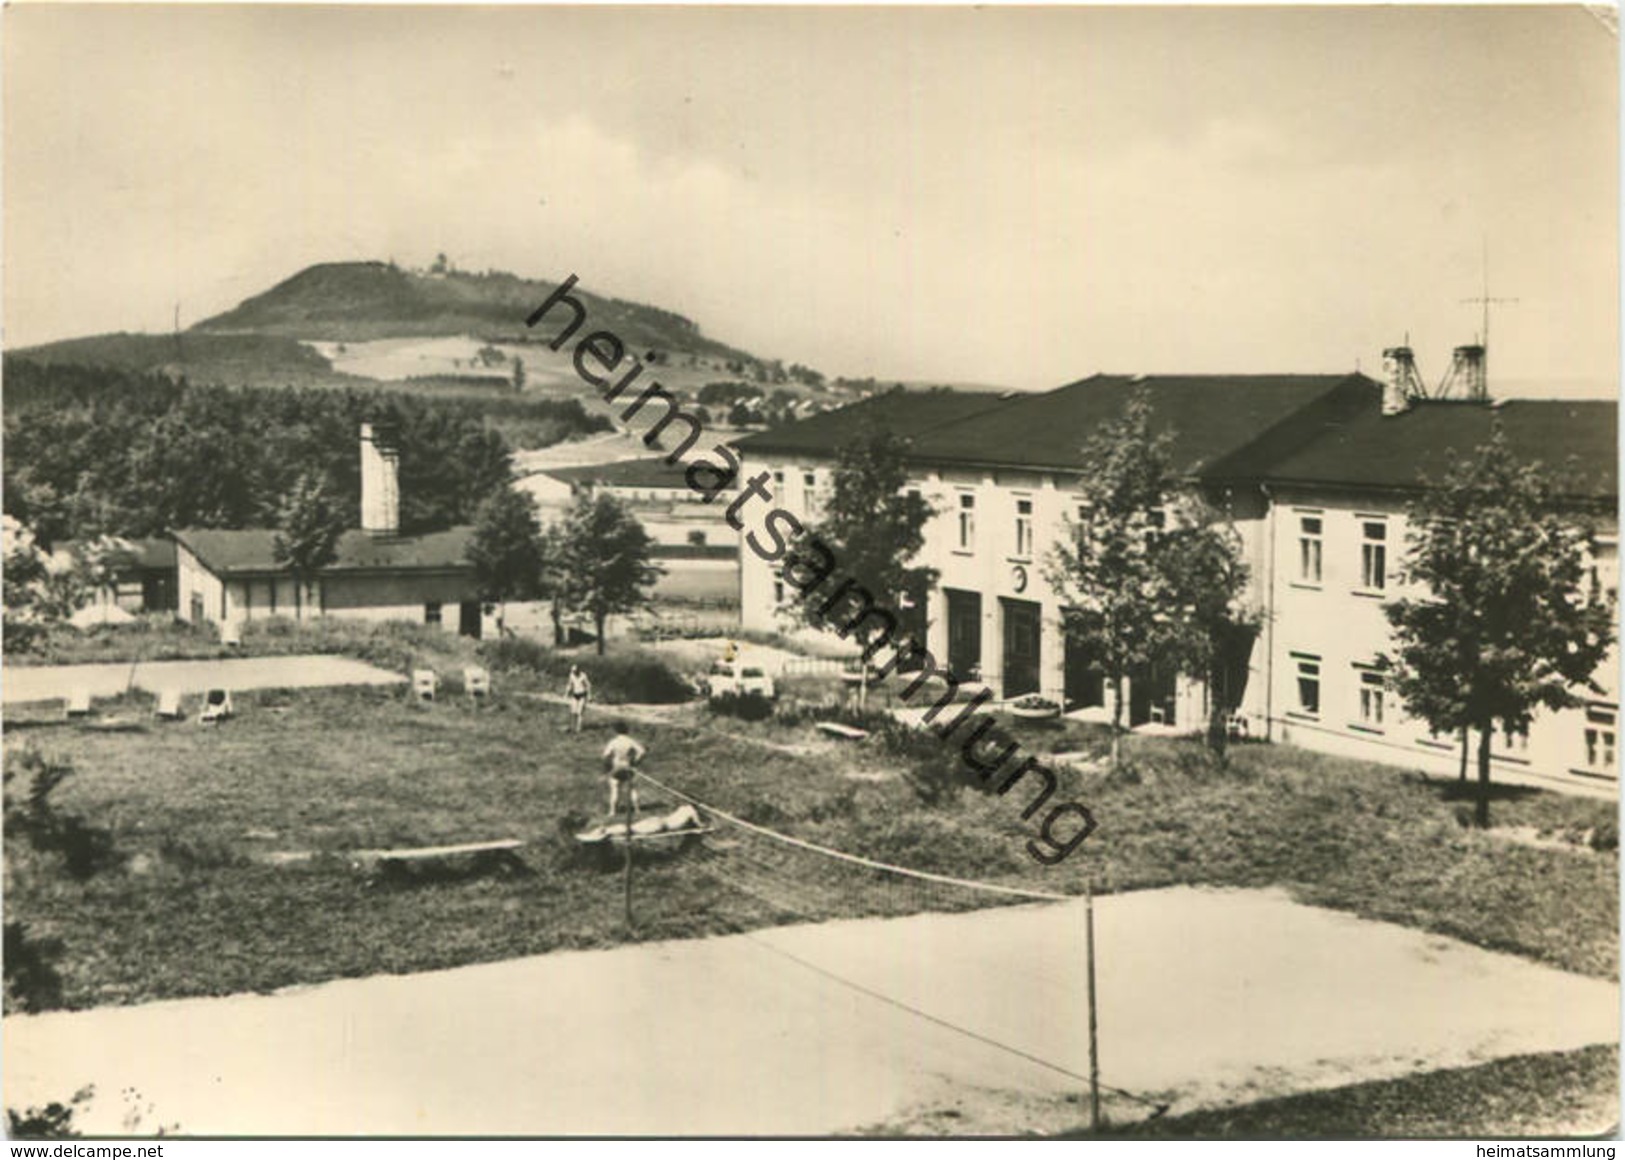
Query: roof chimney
[
  {"x": 1467, "y": 375},
  {"x": 1401, "y": 384},
  {"x": 380, "y": 482}
]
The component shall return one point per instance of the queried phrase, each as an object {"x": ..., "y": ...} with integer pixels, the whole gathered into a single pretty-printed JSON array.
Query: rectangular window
[
  {"x": 1308, "y": 684},
  {"x": 1371, "y": 698},
  {"x": 1600, "y": 739},
  {"x": 431, "y": 613},
  {"x": 697, "y": 538},
  {"x": 778, "y": 478},
  {"x": 1373, "y": 555},
  {"x": 967, "y": 522},
  {"x": 1024, "y": 527},
  {"x": 1309, "y": 540},
  {"x": 809, "y": 480}
]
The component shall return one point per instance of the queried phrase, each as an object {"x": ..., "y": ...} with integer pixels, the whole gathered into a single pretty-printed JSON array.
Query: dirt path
[
  {"x": 1206, "y": 997},
  {"x": 21, "y": 684}
]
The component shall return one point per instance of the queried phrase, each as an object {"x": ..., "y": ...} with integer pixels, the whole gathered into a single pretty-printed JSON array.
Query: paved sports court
[{"x": 1206, "y": 997}]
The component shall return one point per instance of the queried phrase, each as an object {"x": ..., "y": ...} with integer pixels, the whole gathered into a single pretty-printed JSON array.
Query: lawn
[
  {"x": 1524, "y": 1096},
  {"x": 189, "y": 906}
]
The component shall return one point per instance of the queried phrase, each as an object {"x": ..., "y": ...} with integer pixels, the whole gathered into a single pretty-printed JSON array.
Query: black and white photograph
[{"x": 838, "y": 572}]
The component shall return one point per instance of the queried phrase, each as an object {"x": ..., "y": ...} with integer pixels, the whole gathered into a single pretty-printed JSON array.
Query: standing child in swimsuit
[
  {"x": 578, "y": 688},
  {"x": 621, "y": 757}
]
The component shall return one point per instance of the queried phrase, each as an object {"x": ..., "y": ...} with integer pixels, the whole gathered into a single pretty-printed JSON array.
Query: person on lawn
[
  {"x": 577, "y": 688},
  {"x": 621, "y": 757}
]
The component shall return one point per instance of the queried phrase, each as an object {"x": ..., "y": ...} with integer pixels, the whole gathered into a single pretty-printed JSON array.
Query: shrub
[
  {"x": 83, "y": 847},
  {"x": 52, "y": 1122},
  {"x": 1606, "y": 836},
  {"x": 634, "y": 676},
  {"x": 32, "y": 981},
  {"x": 745, "y": 706}
]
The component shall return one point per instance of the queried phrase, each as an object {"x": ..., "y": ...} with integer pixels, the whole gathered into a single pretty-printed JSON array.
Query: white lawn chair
[
  {"x": 216, "y": 707},
  {"x": 476, "y": 682},
  {"x": 231, "y": 634},
  {"x": 169, "y": 705},
  {"x": 78, "y": 703},
  {"x": 425, "y": 684}
]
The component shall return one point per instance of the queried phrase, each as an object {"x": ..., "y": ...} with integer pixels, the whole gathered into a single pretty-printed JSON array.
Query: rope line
[
  {"x": 899, "y": 1004},
  {"x": 966, "y": 883}
]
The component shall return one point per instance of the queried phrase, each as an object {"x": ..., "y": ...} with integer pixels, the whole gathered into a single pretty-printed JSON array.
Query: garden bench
[
  {"x": 424, "y": 684},
  {"x": 844, "y": 732}
]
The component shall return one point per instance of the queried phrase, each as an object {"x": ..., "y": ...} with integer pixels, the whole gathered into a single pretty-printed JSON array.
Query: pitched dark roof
[
  {"x": 1577, "y": 439},
  {"x": 252, "y": 551},
  {"x": 1211, "y": 417},
  {"x": 153, "y": 555},
  {"x": 648, "y": 471},
  {"x": 905, "y": 413}
]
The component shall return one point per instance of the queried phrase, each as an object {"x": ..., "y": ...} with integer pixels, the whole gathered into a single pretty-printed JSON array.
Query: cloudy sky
[{"x": 1019, "y": 196}]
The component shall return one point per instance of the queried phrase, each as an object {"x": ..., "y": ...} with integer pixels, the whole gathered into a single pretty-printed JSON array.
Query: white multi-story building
[{"x": 1315, "y": 478}]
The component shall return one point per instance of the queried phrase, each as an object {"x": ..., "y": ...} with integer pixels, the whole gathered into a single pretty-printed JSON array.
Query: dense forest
[{"x": 91, "y": 450}]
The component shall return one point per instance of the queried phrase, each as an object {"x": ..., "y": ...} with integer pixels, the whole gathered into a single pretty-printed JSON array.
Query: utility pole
[
  {"x": 628, "y": 867},
  {"x": 1094, "y": 1046}
]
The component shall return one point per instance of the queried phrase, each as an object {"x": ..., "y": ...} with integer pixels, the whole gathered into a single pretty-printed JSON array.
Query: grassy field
[
  {"x": 191, "y": 908},
  {"x": 1524, "y": 1096}
]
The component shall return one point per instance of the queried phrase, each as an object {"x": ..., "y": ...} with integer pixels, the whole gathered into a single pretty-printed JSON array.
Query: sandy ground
[
  {"x": 1205, "y": 997},
  {"x": 21, "y": 684}
]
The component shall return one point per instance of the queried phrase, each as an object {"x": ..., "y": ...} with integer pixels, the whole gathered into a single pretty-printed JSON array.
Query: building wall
[
  {"x": 398, "y": 597},
  {"x": 198, "y": 591},
  {"x": 1003, "y": 566},
  {"x": 1328, "y": 631},
  {"x": 375, "y": 598}
]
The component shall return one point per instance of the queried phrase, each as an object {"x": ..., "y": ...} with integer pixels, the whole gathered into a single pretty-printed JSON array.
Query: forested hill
[
  {"x": 92, "y": 450},
  {"x": 356, "y": 301}
]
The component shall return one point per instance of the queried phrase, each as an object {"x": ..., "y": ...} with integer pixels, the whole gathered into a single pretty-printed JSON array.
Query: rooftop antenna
[{"x": 1481, "y": 381}]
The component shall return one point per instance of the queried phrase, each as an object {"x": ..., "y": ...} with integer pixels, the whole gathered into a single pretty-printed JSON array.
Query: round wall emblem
[{"x": 1018, "y": 578}]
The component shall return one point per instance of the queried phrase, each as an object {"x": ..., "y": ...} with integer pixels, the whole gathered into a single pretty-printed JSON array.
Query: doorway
[
  {"x": 964, "y": 633},
  {"x": 1022, "y": 621}
]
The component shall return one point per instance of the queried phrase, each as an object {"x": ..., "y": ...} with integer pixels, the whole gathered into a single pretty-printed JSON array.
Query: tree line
[{"x": 94, "y": 451}]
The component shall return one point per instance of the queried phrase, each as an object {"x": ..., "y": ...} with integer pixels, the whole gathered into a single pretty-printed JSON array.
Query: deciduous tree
[
  {"x": 506, "y": 550},
  {"x": 605, "y": 559},
  {"x": 874, "y": 526},
  {"x": 1147, "y": 574},
  {"x": 1503, "y": 623},
  {"x": 308, "y": 531}
]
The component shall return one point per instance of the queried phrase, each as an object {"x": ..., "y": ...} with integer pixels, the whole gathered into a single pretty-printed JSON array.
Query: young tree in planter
[
  {"x": 873, "y": 527},
  {"x": 308, "y": 531},
  {"x": 1146, "y": 574},
  {"x": 605, "y": 559},
  {"x": 1505, "y": 625},
  {"x": 507, "y": 550}
]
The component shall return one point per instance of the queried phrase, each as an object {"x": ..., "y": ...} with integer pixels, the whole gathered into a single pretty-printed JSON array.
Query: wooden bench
[
  {"x": 499, "y": 854},
  {"x": 844, "y": 732}
]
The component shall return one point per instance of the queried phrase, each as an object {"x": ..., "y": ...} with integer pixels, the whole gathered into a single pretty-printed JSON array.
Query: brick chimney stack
[
  {"x": 380, "y": 481},
  {"x": 1402, "y": 384}
]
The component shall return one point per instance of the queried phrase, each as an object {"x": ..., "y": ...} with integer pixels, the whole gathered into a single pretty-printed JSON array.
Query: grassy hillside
[
  {"x": 356, "y": 301},
  {"x": 236, "y": 359}
]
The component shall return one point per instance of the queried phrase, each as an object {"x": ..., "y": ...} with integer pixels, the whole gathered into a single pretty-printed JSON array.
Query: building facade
[
  {"x": 1314, "y": 477},
  {"x": 377, "y": 573}
]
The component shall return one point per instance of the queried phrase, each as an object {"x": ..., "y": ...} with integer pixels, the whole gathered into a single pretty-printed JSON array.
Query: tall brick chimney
[
  {"x": 380, "y": 481},
  {"x": 1402, "y": 384}
]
